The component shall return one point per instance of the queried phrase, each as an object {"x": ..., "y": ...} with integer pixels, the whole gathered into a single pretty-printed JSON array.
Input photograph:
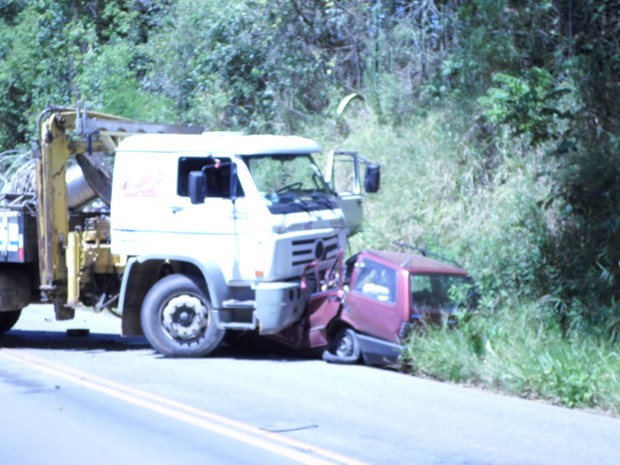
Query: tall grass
[
  {"x": 489, "y": 205},
  {"x": 441, "y": 191},
  {"x": 517, "y": 352}
]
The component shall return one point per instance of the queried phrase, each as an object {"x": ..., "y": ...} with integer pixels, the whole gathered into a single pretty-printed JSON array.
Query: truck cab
[
  {"x": 242, "y": 216},
  {"x": 260, "y": 207}
]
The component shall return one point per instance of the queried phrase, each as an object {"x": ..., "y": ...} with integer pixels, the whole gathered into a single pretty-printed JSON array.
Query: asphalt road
[{"x": 102, "y": 399}]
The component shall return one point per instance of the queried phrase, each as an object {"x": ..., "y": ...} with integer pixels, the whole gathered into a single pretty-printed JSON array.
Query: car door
[{"x": 372, "y": 305}]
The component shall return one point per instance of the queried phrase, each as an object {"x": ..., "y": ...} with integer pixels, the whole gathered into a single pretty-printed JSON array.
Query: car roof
[{"x": 416, "y": 263}]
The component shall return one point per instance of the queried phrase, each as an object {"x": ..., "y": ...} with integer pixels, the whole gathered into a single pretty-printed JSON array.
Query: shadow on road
[
  {"x": 57, "y": 340},
  {"x": 256, "y": 348},
  {"x": 250, "y": 349}
]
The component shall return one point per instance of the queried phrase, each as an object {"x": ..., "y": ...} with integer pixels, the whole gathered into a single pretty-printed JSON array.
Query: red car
[{"x": 368, "y": 313}]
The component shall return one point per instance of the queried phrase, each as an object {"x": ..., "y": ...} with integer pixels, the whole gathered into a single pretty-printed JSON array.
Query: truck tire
[
  {"x": 8, "y": 320},
  {"x": 177, "y": 318},
  {"x": 343, "y": 348}
]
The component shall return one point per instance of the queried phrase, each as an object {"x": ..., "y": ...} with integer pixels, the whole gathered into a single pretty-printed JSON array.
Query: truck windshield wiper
[
  {"x": 321, "y": 197},
  {"x": 291, "y": 198},
  {"x": 301, "y": 202}
]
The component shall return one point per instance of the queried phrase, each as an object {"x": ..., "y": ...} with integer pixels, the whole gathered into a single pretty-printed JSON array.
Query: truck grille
[{"x": 307, "y": 250}]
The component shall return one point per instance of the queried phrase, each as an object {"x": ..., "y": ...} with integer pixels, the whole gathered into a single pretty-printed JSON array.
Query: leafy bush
[
  {"x": 518, "y": 351},
  {"x": 108, "y": 83},
  {"x": 440, "y": 195},
  {"x": 497, "y": 215}
]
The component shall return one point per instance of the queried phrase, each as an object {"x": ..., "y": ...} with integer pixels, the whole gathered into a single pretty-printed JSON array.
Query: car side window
[
  {"x": 376, "y": 281},
  {"x": 421, "y": 291}
]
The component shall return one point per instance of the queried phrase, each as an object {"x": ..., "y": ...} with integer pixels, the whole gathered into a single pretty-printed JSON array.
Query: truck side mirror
[
  {"x": 372, "y": 178},
  {"x": 197, "y": 187}
]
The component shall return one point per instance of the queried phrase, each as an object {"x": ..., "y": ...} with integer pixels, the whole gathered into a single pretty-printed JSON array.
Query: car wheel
[
  {"x": 177, "y": 318},
  {"x": 343, "y": 348},
  {"x": 8, "y": 320}
]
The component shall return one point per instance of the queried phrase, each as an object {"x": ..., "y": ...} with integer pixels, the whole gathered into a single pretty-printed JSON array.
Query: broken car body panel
[{"x": 381, "y": 296}]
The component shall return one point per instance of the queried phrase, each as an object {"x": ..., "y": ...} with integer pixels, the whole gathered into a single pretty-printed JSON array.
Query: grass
[
  {"x": 517, "y": 352},
  {"x": 482, "y": 203}
]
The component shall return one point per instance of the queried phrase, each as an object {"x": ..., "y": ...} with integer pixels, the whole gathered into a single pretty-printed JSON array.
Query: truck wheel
[
  {"x": 8, "y": 320},
  {"x": 177, "y": 318},
  {"x": 343, "y": 348}
]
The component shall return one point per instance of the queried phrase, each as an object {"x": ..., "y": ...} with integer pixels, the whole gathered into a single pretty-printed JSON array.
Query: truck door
[
  {"x": 152, "y": 213},
  {"x": 372, "y": 306},
  {"x": 343, "y": 176},
  {"x": 223, "y": 212}
]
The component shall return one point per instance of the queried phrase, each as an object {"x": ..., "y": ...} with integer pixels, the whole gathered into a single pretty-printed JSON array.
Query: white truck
[{"x": 205, "y": 232}]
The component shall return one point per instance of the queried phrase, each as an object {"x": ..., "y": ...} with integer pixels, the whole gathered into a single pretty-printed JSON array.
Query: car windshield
[
  {"x": 440, "y": 292},
  {"x": 290, "y": 183}
]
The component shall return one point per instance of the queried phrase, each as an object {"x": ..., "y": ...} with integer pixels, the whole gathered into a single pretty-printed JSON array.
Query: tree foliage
[{"x": 542, "y": 74}]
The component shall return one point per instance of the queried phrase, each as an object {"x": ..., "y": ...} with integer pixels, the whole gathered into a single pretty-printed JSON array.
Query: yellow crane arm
[{"x": 64, "y": 133}]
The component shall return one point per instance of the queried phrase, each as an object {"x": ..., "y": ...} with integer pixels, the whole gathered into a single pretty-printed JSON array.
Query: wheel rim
[
  {"x": 344, "y": 346},
  {"x": 185, "y": 317}
]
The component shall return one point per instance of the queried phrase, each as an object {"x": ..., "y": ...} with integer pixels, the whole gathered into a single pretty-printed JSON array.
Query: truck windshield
[
  {"x": 290, "y": 183},
  {"x": 441, "y": 293}
]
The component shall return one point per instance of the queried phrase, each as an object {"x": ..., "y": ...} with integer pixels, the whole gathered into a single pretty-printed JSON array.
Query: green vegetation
[
  {"x": 525, "y": 339},
  {"x": 519, "y": 352},
  {"x": 496, "y": 123}
]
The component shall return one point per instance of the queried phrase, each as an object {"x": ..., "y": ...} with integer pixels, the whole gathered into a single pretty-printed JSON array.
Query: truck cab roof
[{"x": 219, "y": 142}]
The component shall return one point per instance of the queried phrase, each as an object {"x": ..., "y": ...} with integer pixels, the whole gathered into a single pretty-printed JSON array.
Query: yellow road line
[{"x": 274, "y": 443}]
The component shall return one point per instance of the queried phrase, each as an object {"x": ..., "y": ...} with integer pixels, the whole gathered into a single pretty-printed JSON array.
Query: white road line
[{"x": 272, "y": 442}]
